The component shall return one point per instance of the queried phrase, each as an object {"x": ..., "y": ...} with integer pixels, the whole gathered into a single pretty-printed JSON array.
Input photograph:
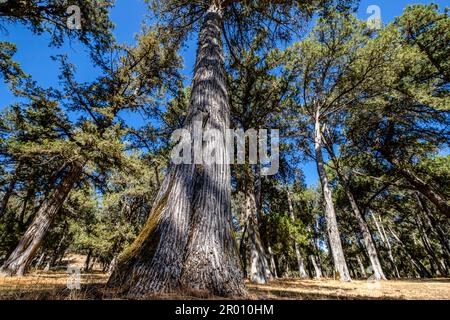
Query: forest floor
[{"x": 53, "y": 285}]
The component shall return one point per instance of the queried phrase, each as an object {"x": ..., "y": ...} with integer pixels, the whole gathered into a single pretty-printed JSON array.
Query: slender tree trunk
[
  {"x": 386, "y": 243},
  {"x": 112, "y": 265},
  {"x": 25, "y": 251},
  {"x": 420, "y": 267},
  {"x": 187, "y": 241},
  {"x": 351, "y": 268},
  {"x": 317, "y": 270},
  {"x": 211, "y": 257},
  {"x": 337, "y": 252},
  {"x": 369, "y": 244},
  {"x": 243, "y": 250},
  {"x": 22, "y": 222},
  {"x": 435, "y": 226},
  {"x": 441, "y": 203},
  {"x": 59, "y": 248},
  {"x": 287, "y": 270},
  {"x": 8, "y": 193},
  {"x": 259, "y": 269},
  {"x": 300, "y": 261},
  {"x": 361, "y": 266},
  {"x": 427, "y": 245},
  {"x": 41, "y": 259},
  {"x": 273, "y": 266}
]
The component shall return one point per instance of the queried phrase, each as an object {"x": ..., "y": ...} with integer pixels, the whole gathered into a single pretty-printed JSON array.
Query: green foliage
[{"x": 51, "y": 16}]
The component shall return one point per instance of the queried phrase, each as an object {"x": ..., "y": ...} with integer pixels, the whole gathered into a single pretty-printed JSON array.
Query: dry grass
[
  {"x": 53, "y": 285},
  {"x": 426, "y": 289}
]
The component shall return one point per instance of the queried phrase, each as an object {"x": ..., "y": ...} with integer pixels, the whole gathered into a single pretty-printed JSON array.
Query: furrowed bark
[
  {"x": 25, "y": 251},
  {"x": 187, "y": 241},
  {"x": 330, "y": 214},
  {"x": 211, "y": 261},
  {"x": 300, "y": 261},
  {"x": 369, "y": 244}
]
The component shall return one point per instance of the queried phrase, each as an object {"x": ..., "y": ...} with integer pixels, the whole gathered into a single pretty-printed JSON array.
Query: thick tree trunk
[
  {"x": 87, "y": 263},
  {"x": 41, "y": 260},
  {"x": 259, "y": 268},
  {"x": 25, "y": 251},
  {"x": 300, "y": 261},
  {"x": 441, "y": 203},
  {"x": 187, "y": 242},
  {"x": 337, "y": 252}
]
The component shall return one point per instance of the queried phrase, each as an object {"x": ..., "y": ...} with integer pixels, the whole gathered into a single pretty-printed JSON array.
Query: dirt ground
[{"x": 54, "y": 285}]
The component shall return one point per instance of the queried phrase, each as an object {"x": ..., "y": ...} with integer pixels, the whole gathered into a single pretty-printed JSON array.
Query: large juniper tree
[{"x": 187, "y": 242}]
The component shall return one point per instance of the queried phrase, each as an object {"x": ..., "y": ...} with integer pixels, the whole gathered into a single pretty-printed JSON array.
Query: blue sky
[{"x": 34, "y": 53}]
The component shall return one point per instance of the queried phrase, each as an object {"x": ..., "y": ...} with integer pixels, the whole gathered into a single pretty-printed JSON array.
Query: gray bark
[
  {"x": 112, "y": 265},
  {"x": 8, "y": 193},
  {"x": 361, "y": 267},
  {"x": 211, "y": 263},
  {"x": 259, "y": 267},
  {"x": 273, "y": 266},
  {"x": 187, "y": 242},
  {"x": 435, "y": 226},
  {"x": 87, "y": 263},
  {"x": 25, "y": 251},
  {"x": 300, "y": 261},
  {"x": 428, "y": 246},
  {"x": 386, "y": 242},
  {"x": 420, "y": 185},
  {"x": 317, "y": 269},
  {"x": 369, "y": 244},
  {"x": 337, "y": 252}
]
